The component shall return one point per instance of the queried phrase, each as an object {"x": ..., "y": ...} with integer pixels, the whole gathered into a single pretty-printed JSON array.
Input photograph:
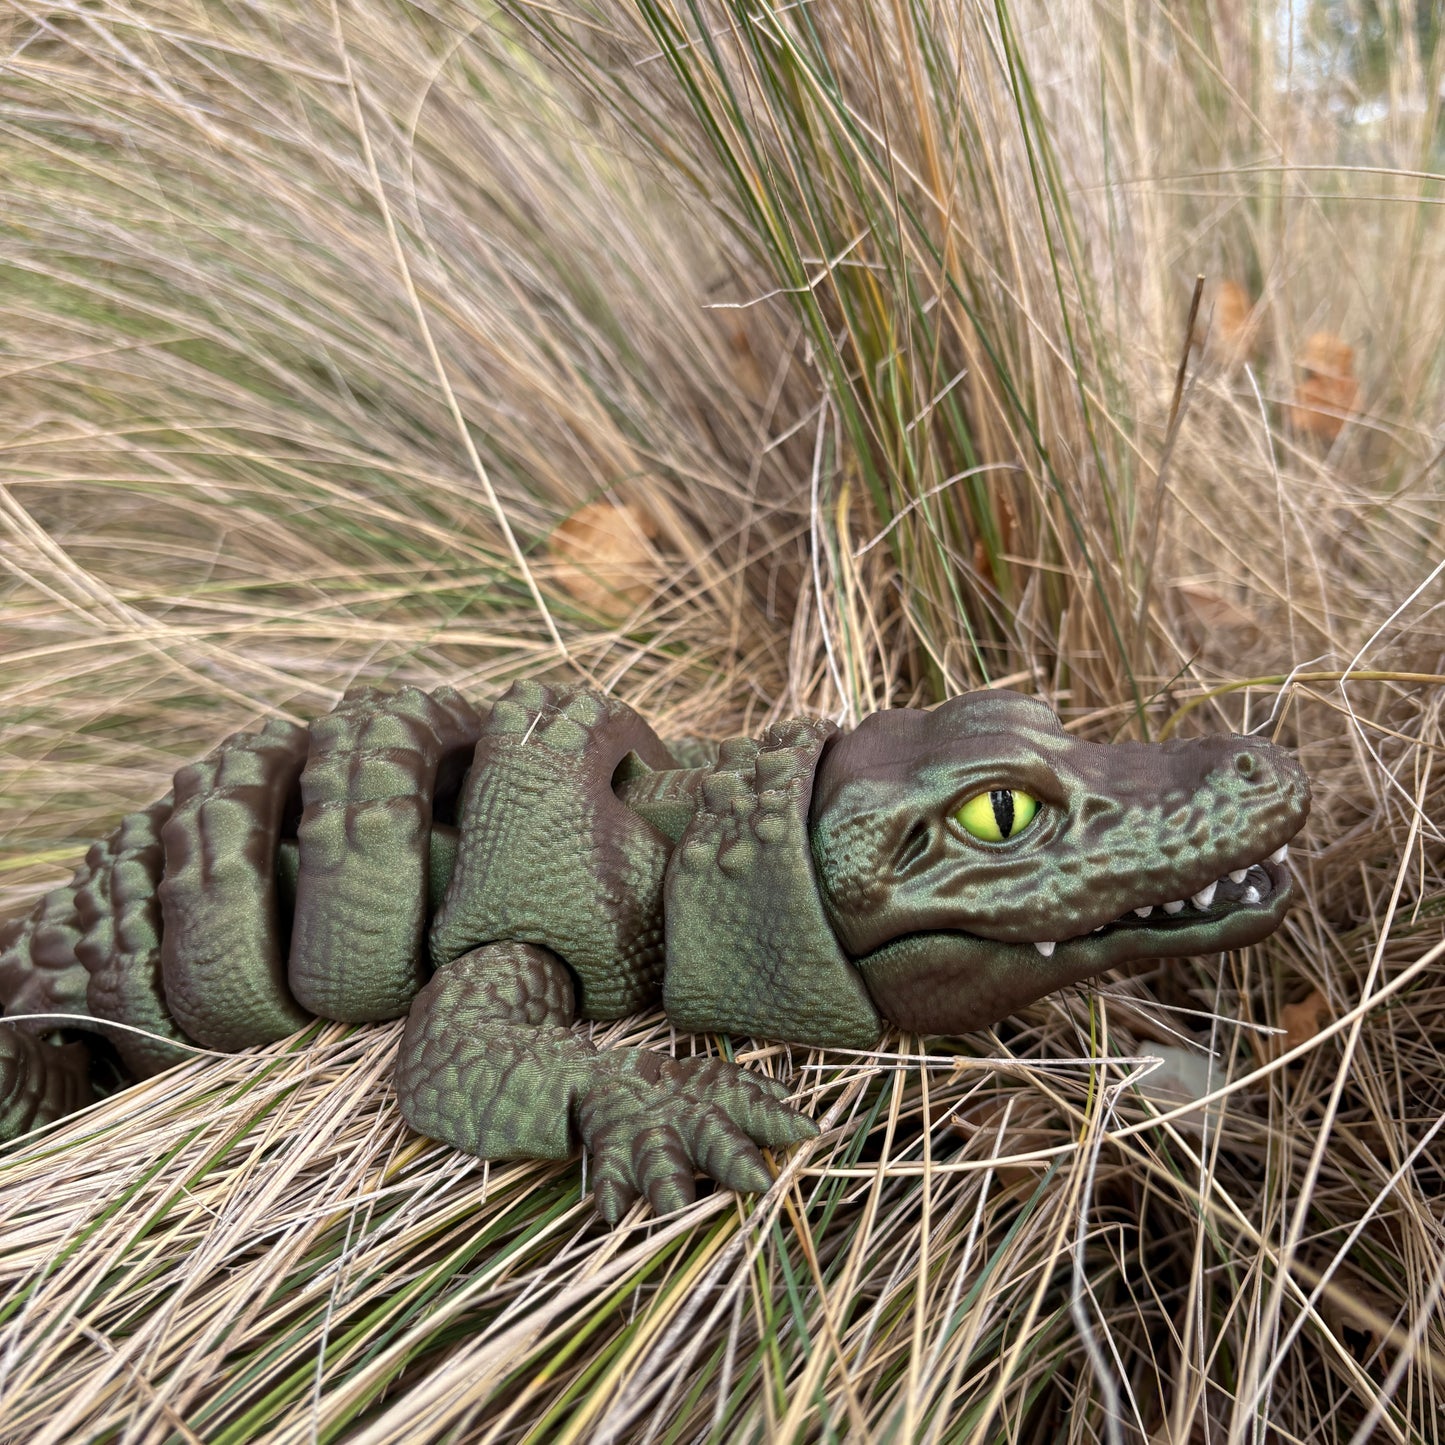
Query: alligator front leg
[{"x": 489, "y": 1064}]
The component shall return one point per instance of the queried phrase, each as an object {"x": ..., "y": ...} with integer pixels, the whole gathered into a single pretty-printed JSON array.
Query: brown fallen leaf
[
  {"x": 1303, "y": 1020},
  {"x": 603, "y": 555},
  {"x": 1327, "y": 390},
  {"x": 1004, "y": 518},
  {"x": 1230, "y": 325},
  {"x": 1031, "y": 1126},
  {"x": 1358, "y": 1315},
  {"x": 746, "y": 368},
  {"x": 1213, "y": 618}
]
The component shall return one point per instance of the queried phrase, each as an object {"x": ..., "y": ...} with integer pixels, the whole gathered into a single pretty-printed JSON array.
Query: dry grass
[{"x": 318, "y": 320}]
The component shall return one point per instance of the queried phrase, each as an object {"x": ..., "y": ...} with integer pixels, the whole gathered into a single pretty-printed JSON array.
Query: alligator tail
[
  {"x": 178, "y": 924},
  {"x": 40, "y": 974},
  {"x": 39, "y": 970}
]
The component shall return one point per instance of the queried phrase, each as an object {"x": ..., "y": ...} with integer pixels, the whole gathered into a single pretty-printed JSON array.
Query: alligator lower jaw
[{"x": 950, "y": 983}]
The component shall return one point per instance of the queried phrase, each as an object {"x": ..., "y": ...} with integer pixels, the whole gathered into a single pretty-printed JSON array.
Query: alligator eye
[{"x": 994, "y": 816}]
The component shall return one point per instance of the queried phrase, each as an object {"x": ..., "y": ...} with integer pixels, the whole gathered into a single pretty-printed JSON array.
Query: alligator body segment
[{"x": 496, "y": 875}]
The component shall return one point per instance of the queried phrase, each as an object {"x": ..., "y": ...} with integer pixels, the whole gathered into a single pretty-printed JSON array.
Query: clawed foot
[
  {"x": 488, "y": 1064},
  {"x": 655, "y": 1122}
]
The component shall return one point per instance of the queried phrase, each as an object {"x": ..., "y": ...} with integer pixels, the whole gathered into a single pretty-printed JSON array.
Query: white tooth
[
  {"x": 1237, "y": 876},
  {"x": 1204, "y": 897},
  {"x": 1101, "y": 928},
  {"x": 1175, "y": 906},
  {"x": 1251, "y": 894},
  {"x": 1280, "y": 854},
  {"x": 1045, "y": 948},
  {"x": 1145, "y": 911}
]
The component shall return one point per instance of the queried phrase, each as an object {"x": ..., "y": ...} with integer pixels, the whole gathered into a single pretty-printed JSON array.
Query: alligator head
[{"x": 977, "y": 857}]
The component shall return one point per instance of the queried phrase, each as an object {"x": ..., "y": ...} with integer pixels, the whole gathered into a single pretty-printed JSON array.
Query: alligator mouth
[
  {"x": 1259, "y": 890},
  {"x": 948, "y": 981}
]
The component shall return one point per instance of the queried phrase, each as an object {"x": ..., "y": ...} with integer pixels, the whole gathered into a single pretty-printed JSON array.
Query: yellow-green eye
[{"x": 1002, "y": 813}]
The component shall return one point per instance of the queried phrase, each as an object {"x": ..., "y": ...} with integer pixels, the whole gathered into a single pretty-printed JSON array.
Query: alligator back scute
[
  {"x": 119, "y": 909},
  {"x": 39, "y": 971},
  {"x": 742, "y": 903},
  {"x": 549, "y": 855},
  {"x": 222, "y": 947},
  {"x": 358, "y": 936}
]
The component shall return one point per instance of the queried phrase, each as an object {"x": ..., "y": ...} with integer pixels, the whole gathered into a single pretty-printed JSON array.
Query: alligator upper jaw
[{"x": 953, "y": 982}]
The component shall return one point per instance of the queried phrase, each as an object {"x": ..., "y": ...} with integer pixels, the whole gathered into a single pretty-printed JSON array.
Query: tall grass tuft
[{"x": 326, "y": 332}]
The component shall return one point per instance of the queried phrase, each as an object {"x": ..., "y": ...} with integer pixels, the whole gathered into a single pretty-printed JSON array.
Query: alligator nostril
[{"x": 1245, "y": 765}]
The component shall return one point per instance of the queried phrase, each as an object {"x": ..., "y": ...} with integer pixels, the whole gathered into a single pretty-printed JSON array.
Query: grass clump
[{"x": 322, "y": 325}]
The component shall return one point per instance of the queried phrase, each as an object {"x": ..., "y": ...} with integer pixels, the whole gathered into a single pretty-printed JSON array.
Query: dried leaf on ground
[
  {"x": 1214, "y": 621},
  {"x": 603, "y": 555},
  {"x": 1229, "y": 328},
  {"x": 1004, "y": 1127},
  {"x": 1302, "y": 1021},
  {"x": 1327, "y": 391}
]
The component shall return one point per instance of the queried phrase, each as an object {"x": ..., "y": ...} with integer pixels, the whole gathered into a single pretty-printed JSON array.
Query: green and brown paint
[{"x": 496, "y": 876}]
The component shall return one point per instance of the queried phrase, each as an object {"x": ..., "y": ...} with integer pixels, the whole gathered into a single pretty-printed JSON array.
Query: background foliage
[{"x": 747, "y": 360}]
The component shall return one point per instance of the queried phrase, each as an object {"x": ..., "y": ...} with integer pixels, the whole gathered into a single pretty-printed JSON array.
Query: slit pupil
[{"x": 1003, "y": 811}]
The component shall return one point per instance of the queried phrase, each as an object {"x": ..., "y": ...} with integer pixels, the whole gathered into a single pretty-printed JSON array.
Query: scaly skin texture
[
  {"x": 742, "y": 902},
  {"x": 119, "y": 912},
  {"x": 365, "y": 849},
  {"x": 488, "y": 1063},
  {"x": 808, "y": 886},
  {"x": 548, "y": 853},
  {"x": 221, "y": 955},
  {"x": 39, "y": 1082}
]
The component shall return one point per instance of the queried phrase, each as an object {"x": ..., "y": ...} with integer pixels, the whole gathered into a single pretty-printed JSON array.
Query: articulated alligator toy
[{"x": 550, "y": 859}]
